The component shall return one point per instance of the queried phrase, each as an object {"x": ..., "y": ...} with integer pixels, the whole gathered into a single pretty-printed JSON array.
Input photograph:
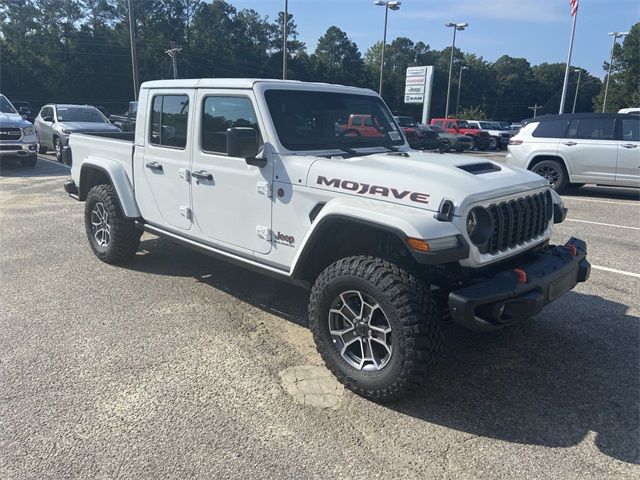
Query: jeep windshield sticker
[{"x": 365, "y": 188}]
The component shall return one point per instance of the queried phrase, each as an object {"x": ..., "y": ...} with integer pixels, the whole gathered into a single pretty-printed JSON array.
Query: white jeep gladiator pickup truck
[{"x": 391, "y": 241}]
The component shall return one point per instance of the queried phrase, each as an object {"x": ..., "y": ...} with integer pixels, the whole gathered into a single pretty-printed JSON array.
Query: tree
[
  {"x": 624, "y": 86},
  {"x": 337, "y": 59}
]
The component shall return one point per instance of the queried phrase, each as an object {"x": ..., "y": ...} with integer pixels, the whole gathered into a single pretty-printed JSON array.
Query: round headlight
[{"x": 479, "y": 225}]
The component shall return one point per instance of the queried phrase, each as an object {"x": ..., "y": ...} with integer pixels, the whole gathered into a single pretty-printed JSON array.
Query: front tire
[
  {"x": 376, "y": 326},
  {"x": 554, "y": 172},
  {"x": 493, "y": 143},
  {"x": 112, "y": 236},
  {"x": 42, "y": 149}
]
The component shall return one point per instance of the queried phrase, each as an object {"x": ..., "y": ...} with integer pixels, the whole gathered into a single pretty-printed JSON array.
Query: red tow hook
[
  {"x": 572, "y": 249},
  {"x": 522, "y": 275}
]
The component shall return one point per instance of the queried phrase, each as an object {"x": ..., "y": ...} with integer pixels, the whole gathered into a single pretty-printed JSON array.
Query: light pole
[
  {"x": 285, "y": 21},
  {"x": 460, "y": 87},
  {"x": 393, "y": 5},
  {"x": 456, "y": 27},
  {"x": 575, "y": 98},
  {"x": 134, "y": 57},
  {"x": 616, "y": 36}
]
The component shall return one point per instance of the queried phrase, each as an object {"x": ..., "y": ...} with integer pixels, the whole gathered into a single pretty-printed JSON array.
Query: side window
[
  {"x": 356, "y": 121},
  {"x": 595, "y": 128},
  {"x": 438, "y": 123},
  {"x": 631, "y": 129},
  {"x": 169, "y": 116},
  {"x": 221, "y": 113},
  {"x": 551, "y": 129},
  {"x": 368, "y": 122}
]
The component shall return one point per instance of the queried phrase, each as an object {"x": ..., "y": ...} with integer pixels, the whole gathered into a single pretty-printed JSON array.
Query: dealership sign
[{"x": 417, "y": 88}]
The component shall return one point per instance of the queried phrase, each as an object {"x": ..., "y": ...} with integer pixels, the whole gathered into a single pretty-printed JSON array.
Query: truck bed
[{"x": 102, "y": 147}]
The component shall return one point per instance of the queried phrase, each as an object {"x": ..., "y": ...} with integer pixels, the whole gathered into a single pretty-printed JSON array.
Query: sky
[{"x": 537, "y": 30}]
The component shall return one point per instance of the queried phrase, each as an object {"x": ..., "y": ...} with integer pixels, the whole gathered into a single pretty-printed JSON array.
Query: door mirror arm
[{"x": 258, "y": 160}]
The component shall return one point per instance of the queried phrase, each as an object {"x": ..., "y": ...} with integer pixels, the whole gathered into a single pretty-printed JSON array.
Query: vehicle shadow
[
  {"x": 611, "y": 193},
  {"x": 548, "y": 381},
  {"x": 12, "y": 168}
]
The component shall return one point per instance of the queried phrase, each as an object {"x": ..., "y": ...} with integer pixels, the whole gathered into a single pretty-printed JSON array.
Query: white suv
[{"x": 571, "y": 150}]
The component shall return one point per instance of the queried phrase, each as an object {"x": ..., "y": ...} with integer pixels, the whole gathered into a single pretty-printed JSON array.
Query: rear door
[
  {"x": 231, "y": 199},
  {"x": 591, "y": 149},
  {"x": 628, "y": 171},
  {"x": 164, "y": 187}
]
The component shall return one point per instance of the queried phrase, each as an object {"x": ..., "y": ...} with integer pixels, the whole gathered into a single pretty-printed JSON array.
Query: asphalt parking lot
[{"x": 171, "y": 366}]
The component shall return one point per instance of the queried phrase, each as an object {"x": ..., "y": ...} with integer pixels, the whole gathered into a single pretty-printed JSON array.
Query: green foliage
[
  {"x": 624, "y": 87},
  {"x": 78, "y": 51},
  {"x": 471, "y": 113}
]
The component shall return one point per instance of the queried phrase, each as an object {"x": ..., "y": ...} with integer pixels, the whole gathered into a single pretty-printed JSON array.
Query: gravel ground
[{"x": 173, "y": 366}]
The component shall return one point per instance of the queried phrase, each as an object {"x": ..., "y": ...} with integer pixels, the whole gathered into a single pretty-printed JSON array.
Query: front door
[
  {"x": 591, "y": 149},
  {"x": 167, "y": 153},
  {"x": 231, "y": 202},
  {"x": 628, "y": 173},
  {"x": 44, "y": 128}
]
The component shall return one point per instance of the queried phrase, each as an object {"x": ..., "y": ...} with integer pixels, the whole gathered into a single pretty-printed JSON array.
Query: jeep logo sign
[{"x": 367, "y": 189}]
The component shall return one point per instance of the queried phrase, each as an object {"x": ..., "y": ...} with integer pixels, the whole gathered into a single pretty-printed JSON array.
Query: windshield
[
  {"x": 5, "y": 105},
  {"x": 406, "y": 122},
  {"x": 80, "y": 114},
  {"x": 308, "y": 120},
  {"x": 436, "y": 128}
]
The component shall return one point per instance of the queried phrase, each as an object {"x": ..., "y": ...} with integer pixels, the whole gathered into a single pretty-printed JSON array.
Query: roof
[
  {"x": 246, "y": 83},
  {"x": 571, "y": 116}
]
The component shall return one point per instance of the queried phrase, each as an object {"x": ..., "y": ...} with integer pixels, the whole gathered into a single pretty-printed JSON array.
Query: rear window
[
  {"x": 592, "y": 128},
  {"x": 631, "y": 129},
  {"x": 169, "y": 117},
  {"x": 551, "y": 129}
]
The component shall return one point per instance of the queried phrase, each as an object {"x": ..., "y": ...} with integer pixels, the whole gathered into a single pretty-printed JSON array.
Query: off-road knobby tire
[
  {"x": 413, "y": 314},
  {"x": 125, "y": 237}
]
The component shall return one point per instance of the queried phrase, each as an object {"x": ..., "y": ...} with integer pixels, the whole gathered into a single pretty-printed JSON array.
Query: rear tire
[
  {"x": 554, "y": 172},
  {"x": 394, "y": 332},
  {"x": 112, "y": 236}
]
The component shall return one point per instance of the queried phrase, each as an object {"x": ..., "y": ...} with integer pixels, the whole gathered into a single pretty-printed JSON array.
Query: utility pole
[
  {"x": 535, "y": 109},
  {"x": 173, "y": 53},
  {"x": 459, "y": 88},
  {"x": 134, "y": 58},
  {"x": 285, "y": 21}
]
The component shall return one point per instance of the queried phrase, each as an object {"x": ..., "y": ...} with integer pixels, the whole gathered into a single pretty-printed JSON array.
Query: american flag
[{"x": 574, "y": 7}]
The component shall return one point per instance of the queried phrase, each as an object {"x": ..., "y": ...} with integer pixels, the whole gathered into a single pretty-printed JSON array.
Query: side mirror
[{"x": 243, "y": 142}]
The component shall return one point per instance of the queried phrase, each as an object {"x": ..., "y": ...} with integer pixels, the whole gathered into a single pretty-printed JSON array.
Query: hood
[
  {"x": 421, "y": 179},
  {"x": 13, "y": 120},
  {"x": 88, "y": 127}
]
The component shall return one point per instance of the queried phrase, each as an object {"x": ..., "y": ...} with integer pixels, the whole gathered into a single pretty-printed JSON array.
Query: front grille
[
  {"x": 10, "y": 133},
  {"x": 517, "y": 221}
]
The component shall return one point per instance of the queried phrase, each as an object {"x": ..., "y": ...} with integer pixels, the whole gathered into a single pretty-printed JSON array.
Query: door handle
[
  {"x": 154, "y": 166},
  {"x": 629, "y": 145},
  {"x": 202, "y": 175},
  {"x": 570, "y": 144}
]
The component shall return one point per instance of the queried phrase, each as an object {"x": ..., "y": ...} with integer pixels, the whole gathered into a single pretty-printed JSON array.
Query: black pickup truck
[{"x": 126, "y": 121}]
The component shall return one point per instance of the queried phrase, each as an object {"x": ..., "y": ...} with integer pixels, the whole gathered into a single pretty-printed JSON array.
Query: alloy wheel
[
  {"x": 550, "y": 173},
  {"x": 360, "y": 331},
  {"x": 100, "y": 225}
]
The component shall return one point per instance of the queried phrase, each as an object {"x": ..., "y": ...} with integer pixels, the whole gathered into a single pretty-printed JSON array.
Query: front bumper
[
  {"x": 17, "y": 149},
  {"x": 517, "y": 294}
]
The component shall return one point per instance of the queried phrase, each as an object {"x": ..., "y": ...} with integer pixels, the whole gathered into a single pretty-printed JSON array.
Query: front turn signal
[{"x": 418, "y": 244}]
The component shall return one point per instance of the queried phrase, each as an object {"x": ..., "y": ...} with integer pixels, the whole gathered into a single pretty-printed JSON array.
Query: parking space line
[
  {"x": 54, "y": 162},
  {"x": 636, "y": 204},
  {"x": 602, "y": 224},
  {"x": 615, "y": 270}
]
